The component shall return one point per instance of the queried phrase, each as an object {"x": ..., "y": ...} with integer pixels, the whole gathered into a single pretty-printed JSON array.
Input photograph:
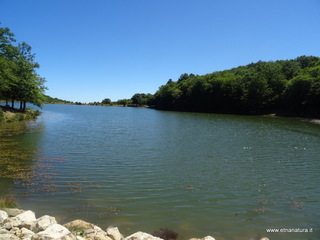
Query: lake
[{"x": 231, "y": 177}]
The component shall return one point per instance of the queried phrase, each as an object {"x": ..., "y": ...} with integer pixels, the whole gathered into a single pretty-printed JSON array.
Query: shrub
[{"x": 8, "y": 202}]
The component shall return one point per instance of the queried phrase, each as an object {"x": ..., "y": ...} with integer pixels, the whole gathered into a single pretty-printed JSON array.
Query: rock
[
  {"x": 3, "y": 231},
  {"x": 113, "y": 232},
  {"x": 9, "y": 236},
  {"x": 24, "y": 234},
  {"x": 12, "y": 212},
  {"x": 78, "y": 225},
  {"x": 87, "y": 230},
  {"x": 3, "y": 216},
  {"x": 264, "y": 238},
  {"x": 142, "y": 236},
  {"x": 27, "y": 216},
  {"x": 55, "y": 231},
  {"x": 43, "y": 223},
  {"x": 80, "y": 238},
  {"x": 25, "y": 219},
  {"x": 96, "y": 233},
  {"x": 205, "y": 238}
]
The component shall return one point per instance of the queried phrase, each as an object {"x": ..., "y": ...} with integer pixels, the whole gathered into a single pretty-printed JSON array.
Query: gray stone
[
  {"x": 9, "y": 223},
  {"x": 3, "y": 216},
  {"x": 3, "y": 231},
  {"x": 142, "y": 236},
  {"x": 205, "y": 238},
  {"x": 12, "y": 212},
  {"x": 79, "y": 225},
  {"x": 9, "y": 236},
  {"x": 24, "y": 234},
  {"x": 96, "y": 234},
  {"x": 27, "y": 216},
  {"x": 80, "y": 238},
  {"x": 25, "y": 219},
  {"x": 113, "y": 232},
  {"x": 55, "y": 231},
  {"x": 43, "y": 223}
]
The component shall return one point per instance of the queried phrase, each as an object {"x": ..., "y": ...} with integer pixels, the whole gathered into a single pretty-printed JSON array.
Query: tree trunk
[
  {"x": 12, "y": 103},
  {"x": 20, "y": 105},
  {"x": 24, "y": 105}
]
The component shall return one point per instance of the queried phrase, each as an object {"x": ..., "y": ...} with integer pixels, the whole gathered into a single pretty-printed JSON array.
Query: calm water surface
[{"x": 231, "y": 177}]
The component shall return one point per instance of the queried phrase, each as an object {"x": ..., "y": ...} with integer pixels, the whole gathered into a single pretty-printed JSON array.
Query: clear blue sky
[{"x": 91, "y": 50}]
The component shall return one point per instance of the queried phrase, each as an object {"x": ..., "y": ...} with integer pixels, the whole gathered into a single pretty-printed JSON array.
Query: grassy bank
[
  {"x": 8, "y": 114},
  {"x": 8, "y": 202}
]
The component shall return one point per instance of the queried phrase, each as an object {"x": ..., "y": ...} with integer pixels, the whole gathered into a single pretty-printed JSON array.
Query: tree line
[
  {"x": 19, "y": 80},
  {"x": 290, "y": 87},
  {"x": 285, "y": 87}
]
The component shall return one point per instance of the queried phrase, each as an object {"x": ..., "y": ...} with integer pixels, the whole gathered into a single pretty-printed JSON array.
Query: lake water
[{"x": 231, "y": 177}]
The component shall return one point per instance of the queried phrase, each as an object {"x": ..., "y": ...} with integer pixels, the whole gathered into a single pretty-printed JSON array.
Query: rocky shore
[{"x": 17, "y": 224}]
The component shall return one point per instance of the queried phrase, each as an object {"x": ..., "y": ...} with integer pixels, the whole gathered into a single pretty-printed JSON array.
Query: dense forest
[
  {"x": 19, "y": 80},
  {"x": 288, "y": 87}
]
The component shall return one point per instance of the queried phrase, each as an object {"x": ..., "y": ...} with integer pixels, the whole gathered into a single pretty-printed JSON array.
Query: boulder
[
  {"x": 24, "y": 234},
  {"x": 96, "y": 233},
  {"x": 3, "y": 231},
  {"x": 9, "y": 236},
  {"x": 205, "y": 238},
  {"x": 142, "y": 236},
  {"x": 55, "y": 231},
  {"x": 27, "y": 216},
  {"x": 43, "y": 223},
  {"x": 86, "y": 230},
  {"x": 12, "y": 212},
  {"x": 113, "y": 232},
  {"x": 78, "y": 225},
  {"x": 3, "y": 216},
  {"x": 25, "y": 219}
]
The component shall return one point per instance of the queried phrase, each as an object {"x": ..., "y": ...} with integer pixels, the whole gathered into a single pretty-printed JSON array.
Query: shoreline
[
  {"x": 8, "y": 114},
  {"x": 16, "y": 224}
]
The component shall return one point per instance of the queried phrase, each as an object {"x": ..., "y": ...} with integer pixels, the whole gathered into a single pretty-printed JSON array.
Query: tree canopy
[
  {"x": 19, "y": 80},
  {"x": 284, "y": 86}
]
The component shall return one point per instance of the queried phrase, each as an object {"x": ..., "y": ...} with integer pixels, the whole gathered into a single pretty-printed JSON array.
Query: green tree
[
  {"x": 124, "y": 102},
  {"x": 18, "y": 77},
  {"x": 141, "y": 98},
  {"x": 261, "y": 87},
  {"x": 30, "y": 87},
  {"x": 297, "y": 93},
  {"x": 106, "y": 101}
]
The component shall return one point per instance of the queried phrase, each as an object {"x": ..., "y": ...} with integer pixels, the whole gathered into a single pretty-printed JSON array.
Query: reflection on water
[{"x": 140, "y": 169}]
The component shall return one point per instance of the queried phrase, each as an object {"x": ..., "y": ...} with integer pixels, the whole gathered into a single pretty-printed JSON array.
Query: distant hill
[{"x": 51, "y": 100}]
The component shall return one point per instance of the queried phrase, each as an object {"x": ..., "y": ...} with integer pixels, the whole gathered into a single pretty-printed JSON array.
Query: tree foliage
[
  {"x": 141, "y": 99},
  {"x": 286, "y": 86},
  {"x": 19, "y": 80},
  {"x": 106, "y": 101}
]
